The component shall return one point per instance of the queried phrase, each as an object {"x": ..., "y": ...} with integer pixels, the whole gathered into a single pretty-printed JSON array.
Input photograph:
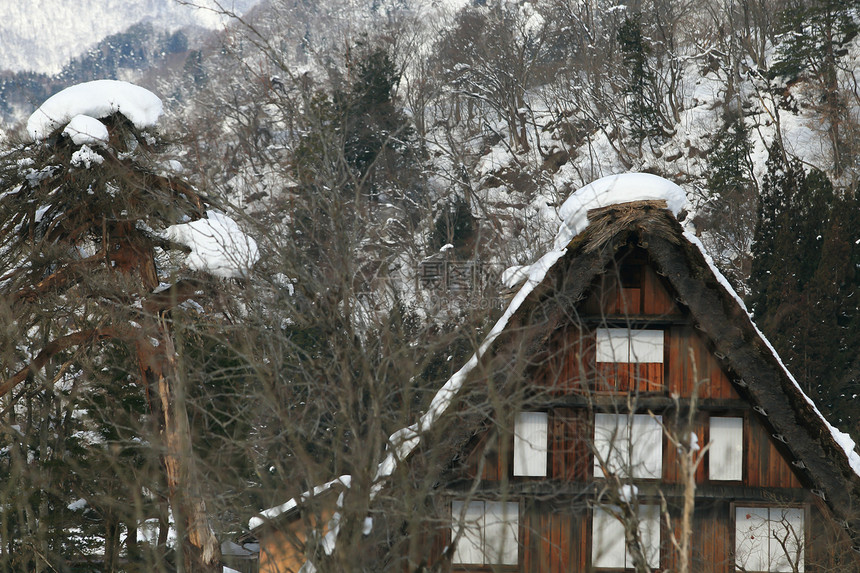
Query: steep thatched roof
[{"x": 828, "y": 458}]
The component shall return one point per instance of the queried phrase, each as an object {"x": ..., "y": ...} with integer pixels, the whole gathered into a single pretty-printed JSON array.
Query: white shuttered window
[
  {"x": 490, "y": 532},
  {"x": 629, "y": 445},
  {"x": 607, "y": 541},
  {"x": 608, "y": 547},
  {"x": 470, "y": 546},
  {"x": 726, "y": 454},
  {"x": 646, "y": 447},
  {"x": 620, "y": 345},
  {"x": 530, "y": 444},
  {"x": 769, "y": 539}
]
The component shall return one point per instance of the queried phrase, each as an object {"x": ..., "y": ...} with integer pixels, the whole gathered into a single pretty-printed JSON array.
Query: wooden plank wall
[
  {"x": 671, "y": 468},
  {"x": 765, "y": 465},
  {"x": 554, "y": 535},
  {"x": 640, "y": 292},
  {"x": 570, "y": 456},
  {"x": 489, "y": 446},
  {"x": 712, "y": 539},
  {"x": 554, "y": 539},
  {"x": 688, "y": 360},
  {"x": 570, "y": 362}
]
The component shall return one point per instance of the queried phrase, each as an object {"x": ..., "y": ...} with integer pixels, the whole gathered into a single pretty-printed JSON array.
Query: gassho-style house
[{"x": 652, "y": 426}]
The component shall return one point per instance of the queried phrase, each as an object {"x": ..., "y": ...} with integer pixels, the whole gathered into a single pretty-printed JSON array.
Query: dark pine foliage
[
  {"x": 643, "y": 110},
  {"x": 804, "y": 282}
]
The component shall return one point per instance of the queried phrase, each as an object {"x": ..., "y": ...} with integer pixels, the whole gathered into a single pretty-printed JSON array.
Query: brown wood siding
[
  {"x": 656, "y": 298},
  {"x": 765, "y": 465},
  {"x": 671, "y": 467},
  {"x": 712, "y": 543},
  {"x": 570, "y": 363},
  {"x": 571, "y": 368},
  {"x": 713, "y": 540},
  {"x": 646, "y": 295},
  {"x": 486, "y": 446},
  {"x": 621, "y": 378},
  {"x": 688, "y": 360},
  {"x": 553, "y": 539},
  {"x": 569, "y": 437}
]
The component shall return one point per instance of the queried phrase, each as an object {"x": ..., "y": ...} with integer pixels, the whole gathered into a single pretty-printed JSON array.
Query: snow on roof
[
  {"x": 613, "y": 190},
  {"x": 218, "y": 246},
  {"x": 84, "y": 130},
  {"x": 96, "y": 99},
  {"x": 609, "y": 190},
  {"x": 292, "y": 503}
]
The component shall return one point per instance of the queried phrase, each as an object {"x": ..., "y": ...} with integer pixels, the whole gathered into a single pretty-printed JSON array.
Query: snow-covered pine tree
[{"x": 90, "y": 216}]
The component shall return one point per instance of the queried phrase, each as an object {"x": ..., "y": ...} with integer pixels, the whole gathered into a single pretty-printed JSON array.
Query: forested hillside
[{"x": 396, "y": 163}]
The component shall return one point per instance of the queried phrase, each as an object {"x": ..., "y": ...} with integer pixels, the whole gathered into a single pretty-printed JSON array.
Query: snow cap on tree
[{"x": 97, "y": 99}]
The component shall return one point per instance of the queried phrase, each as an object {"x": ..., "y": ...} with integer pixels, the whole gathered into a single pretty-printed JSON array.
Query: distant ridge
[{"x": 44, "y": 35}]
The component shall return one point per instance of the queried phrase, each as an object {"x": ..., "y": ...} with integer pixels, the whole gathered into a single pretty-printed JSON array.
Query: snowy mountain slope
[{"x": 43, "y": 35}]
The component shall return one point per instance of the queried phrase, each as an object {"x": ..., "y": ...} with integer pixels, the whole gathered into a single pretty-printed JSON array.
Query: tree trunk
[
  {"x": 111, "y": 542},
  {"x": 133, "y": 254},
  {"x": 200, "y": 548}
]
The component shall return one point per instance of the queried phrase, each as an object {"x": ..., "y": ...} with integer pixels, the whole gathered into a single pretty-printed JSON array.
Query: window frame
[
  {"x": 618, "y": 534},
  {"x": 743, "y": 446},
  {"x": 625, "y": 423},
  {"x": 510, "y": 553},
  {"x": 803, "y": 510},
  {"x": 619, "y": 345},
  {"x": 529, "y": 460}
]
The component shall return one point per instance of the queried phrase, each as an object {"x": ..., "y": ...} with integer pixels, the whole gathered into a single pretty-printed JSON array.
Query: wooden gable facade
[{"x": 633, "y": 345}]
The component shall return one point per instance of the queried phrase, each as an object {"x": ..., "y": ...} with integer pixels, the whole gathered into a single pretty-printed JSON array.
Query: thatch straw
[{"x": 650, "y": 217}]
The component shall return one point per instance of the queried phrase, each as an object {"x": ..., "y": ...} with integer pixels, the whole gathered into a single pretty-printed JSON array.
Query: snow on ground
[
  {"x": 218, "y": 246},
  {"x": 96, "y": 99}
]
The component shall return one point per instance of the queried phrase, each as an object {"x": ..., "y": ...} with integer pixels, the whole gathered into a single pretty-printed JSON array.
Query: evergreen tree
[
  {"x": 644, "y": 112},
  {"x": 729, "y": 214},
  {"x": 813, "y": 35},
  {"x": 804, "y": 282},
  {"x": 79, "y": 225},
  {"x": 359, "y": 138},
  {"x": 380, "y": 141},
  {"x": 834, "y": 366},
  {"x": 768, "y": 278}
]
